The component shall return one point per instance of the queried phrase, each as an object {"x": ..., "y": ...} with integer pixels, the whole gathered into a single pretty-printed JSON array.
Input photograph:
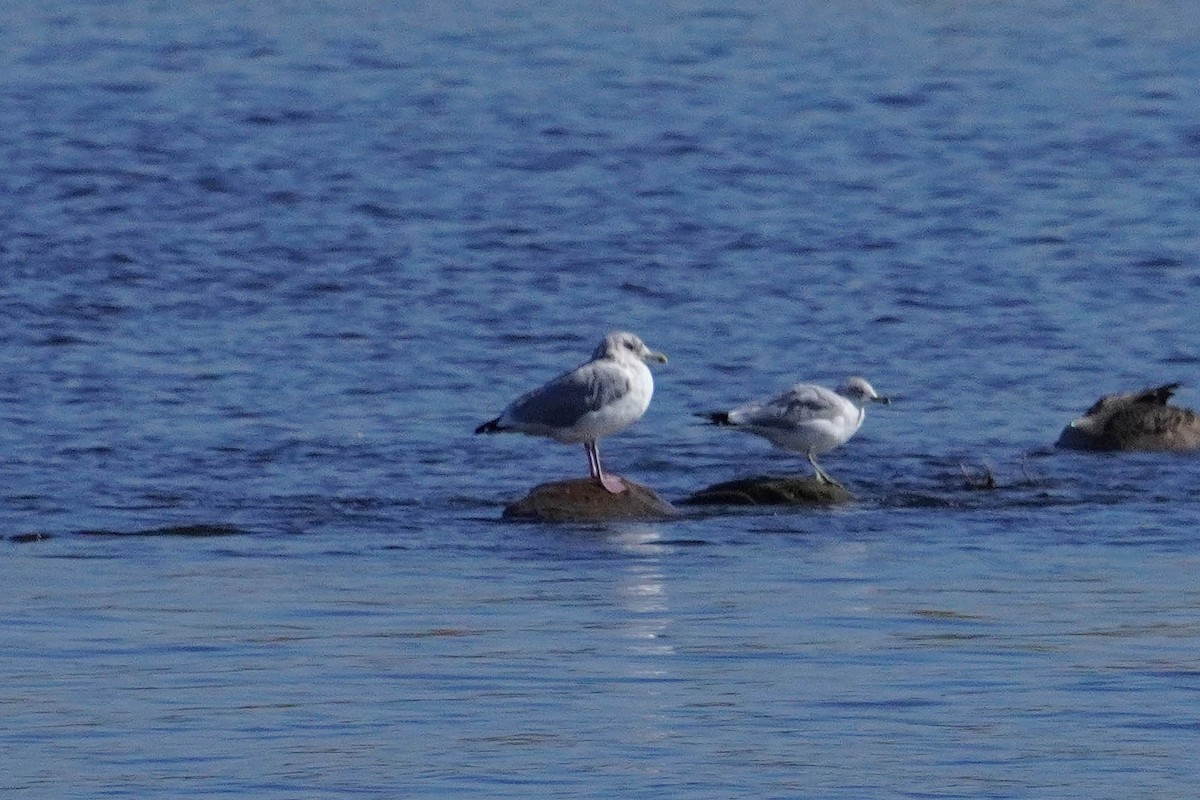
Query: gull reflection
[{"x": 642, "y": 592}]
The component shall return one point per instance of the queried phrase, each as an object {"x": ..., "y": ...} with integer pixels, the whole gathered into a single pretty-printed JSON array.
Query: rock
[
  {"x": 584, "y": 500},
  {"x": 786, "y": 490}
]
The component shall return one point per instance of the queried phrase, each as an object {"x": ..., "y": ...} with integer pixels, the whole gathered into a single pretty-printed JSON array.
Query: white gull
[
  {"x": 598, "y": 398},
  {"x": 807, "y": 418}
]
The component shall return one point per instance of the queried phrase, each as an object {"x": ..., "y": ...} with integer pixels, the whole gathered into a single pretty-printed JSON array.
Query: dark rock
[
  {"x": 25, "y": 538},
  {"x": 787, "y": 490},
  {"x": 585, "y": 500}
]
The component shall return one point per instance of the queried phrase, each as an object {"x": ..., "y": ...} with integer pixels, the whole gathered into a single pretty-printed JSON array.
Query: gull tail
[
  {"x": 716, "y": 417},
  {"x": 1158, "y": 395},
  {"x": 491, "y": 426}
]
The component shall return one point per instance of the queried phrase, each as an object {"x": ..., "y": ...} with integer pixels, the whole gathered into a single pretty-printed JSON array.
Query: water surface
[{"x": 265, "y": 267}]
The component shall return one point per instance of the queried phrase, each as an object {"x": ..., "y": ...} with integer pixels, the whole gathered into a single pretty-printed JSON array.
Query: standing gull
[
  {"x": 1134, "y": 421},
  {"x": 807, "y": 418},
  {"x": 598, "y": 398}
]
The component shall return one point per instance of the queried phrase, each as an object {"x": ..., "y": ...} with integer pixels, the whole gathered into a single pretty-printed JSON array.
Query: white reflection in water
[{"x": 641, "y": 591}]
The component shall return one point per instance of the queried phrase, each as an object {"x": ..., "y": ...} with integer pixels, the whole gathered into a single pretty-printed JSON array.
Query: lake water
[{"x": 264, "y": 267}]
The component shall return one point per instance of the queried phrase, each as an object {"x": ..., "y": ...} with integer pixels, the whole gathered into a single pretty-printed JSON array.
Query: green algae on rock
[{"x": 786, "y": 490}]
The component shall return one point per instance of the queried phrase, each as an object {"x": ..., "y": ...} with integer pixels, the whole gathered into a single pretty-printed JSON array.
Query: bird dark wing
[{"x": 1158, "y": 396}]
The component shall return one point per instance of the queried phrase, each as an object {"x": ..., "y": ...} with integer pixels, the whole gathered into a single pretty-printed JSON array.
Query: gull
[
  {"x": 1134, "y": 421},
  {"x": 598, "y": 398},
  {"x": 807, "y": 418}
]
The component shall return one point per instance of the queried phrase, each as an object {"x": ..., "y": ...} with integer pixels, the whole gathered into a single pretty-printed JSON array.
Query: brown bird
[{"x": 1135, "y": 421}]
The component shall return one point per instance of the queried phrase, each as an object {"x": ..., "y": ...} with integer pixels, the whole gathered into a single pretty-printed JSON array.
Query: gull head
[
  {"x": 859, "y": 392},
  {"x": 625, "y": 346}
]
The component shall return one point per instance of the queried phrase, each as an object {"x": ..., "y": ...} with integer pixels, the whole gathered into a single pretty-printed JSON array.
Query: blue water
[{"x": 264, "y": 266}]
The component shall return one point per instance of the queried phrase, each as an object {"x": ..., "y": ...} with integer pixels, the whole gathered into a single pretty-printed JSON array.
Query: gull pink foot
[{"x": 613, "y": 484}]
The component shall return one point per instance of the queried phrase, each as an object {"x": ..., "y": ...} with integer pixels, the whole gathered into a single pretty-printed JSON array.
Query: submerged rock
[
  {"x": 1134, "y": 421},
  {"x": 786, "y": 490},
  {"x": 585, "y": 500}
]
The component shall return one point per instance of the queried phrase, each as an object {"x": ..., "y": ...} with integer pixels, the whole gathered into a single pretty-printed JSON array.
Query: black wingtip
[
  {"x": 716, "y": 417},
  {"x": 491, "y": 426}
]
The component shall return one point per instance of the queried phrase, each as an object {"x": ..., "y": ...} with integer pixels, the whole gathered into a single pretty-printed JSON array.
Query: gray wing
[
  {"x": 799, "y": 405},
  {"x": 565, "y": 400}
]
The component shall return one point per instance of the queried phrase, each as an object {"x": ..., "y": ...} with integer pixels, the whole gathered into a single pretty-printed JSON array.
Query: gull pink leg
[
  {"x": 612, "y": 483},
  {"x": 593, "y": 463}
]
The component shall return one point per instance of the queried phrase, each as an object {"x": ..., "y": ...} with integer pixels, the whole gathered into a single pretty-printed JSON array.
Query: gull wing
[
  {"x": 797, "y": 406},
  {"x": 567, "y": 399}
]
